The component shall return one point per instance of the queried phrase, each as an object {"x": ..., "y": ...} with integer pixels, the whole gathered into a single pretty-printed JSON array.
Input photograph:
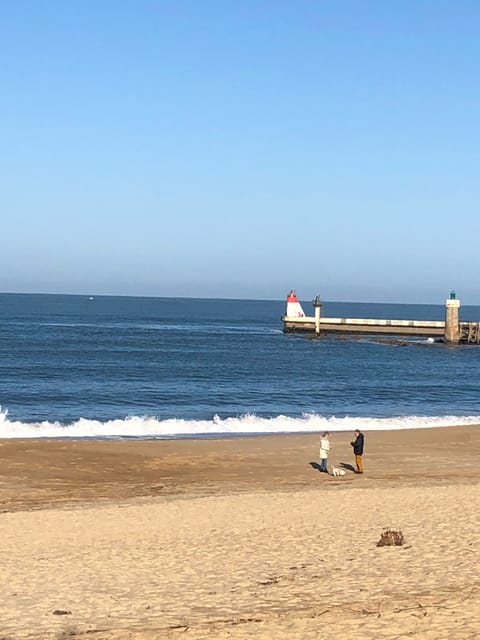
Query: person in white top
[{"x": 324, "y": 449}]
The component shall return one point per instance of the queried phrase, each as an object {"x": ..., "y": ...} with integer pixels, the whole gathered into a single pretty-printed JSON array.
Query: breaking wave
[{"x": 151, "y": 427}]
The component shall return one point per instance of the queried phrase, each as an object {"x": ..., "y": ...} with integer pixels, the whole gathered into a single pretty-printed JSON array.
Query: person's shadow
[
  {"x": 347, "y": 466},
  {"x": 344, "y": 465}
]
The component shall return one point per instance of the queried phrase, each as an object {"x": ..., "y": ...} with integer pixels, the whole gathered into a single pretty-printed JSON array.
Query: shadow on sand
[{"x": 344, "y": 465}]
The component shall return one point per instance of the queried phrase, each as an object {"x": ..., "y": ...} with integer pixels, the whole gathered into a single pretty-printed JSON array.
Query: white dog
[{"x": 337, "y": 471}]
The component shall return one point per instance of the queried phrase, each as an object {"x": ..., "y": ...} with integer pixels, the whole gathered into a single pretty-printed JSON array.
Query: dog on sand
[{"x": 337, "y": 471}]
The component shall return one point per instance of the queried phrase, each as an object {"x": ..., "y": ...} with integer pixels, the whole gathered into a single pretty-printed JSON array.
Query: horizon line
[{"x": 186, "y": 297}]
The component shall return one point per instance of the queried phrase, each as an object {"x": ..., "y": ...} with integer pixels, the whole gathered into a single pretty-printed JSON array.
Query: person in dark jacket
[{"x": 357, "y": 445}]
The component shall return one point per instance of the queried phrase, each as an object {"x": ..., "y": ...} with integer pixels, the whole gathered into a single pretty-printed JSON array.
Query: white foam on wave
[{"x": 151, "y": 427}]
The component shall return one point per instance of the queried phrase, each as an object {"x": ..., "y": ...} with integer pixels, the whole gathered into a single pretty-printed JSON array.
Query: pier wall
[
  {"x": 363, "y": 325},
  {"x": 451, "y": 330}
]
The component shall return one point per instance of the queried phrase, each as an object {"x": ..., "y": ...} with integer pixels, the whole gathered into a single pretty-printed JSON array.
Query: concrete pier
[{"x": 451, "y": 331}]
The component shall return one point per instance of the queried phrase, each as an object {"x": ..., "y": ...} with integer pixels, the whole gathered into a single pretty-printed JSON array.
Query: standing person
[
  {"x": 324, "y": 449},
  {"x": 357, "y": 445}
]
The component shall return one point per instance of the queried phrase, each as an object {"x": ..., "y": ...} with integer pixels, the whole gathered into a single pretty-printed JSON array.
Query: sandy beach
[{"x": 240, "y": 538}]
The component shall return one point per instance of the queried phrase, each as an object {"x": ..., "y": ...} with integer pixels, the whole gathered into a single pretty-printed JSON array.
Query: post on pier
[
  {"x": 317, "y": 304},
  {"x": 452, "y": 320}
]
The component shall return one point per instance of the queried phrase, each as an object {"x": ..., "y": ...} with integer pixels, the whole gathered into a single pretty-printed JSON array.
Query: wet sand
[{"x": 240, "y": 538}]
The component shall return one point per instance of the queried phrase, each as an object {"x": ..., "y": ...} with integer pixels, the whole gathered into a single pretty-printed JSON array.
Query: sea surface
[{"x": 104, "y": 366}]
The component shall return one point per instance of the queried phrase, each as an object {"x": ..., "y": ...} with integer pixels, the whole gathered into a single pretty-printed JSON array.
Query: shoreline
[
  {"x": 145, "y": 427},
  {"x": 369, "y": 423}
]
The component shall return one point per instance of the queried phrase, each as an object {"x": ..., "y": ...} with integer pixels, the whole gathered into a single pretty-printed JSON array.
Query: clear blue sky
[{"x": 238, "y": 148}]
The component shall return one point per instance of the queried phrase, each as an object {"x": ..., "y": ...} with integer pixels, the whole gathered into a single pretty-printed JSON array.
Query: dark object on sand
[
  {"x": 391, "y": 538},
  {"x": 61, "y": 612}
]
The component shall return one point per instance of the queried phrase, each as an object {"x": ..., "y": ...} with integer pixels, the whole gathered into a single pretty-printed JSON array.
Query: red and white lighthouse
[{"x": 294, "y": 308}]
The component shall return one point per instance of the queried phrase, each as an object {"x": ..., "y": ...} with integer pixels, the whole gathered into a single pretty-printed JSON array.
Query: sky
[{"x": 241, "y": 148}]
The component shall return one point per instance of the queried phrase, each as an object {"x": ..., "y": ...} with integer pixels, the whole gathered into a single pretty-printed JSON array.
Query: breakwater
[{"x": 451, "y": 330}]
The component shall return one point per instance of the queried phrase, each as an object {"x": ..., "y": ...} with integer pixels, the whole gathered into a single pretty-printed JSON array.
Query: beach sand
[{"x": 240, "y": 538}]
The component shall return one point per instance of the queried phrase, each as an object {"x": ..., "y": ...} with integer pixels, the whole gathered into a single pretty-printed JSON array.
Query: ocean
[{"x": 105, "y": 366}]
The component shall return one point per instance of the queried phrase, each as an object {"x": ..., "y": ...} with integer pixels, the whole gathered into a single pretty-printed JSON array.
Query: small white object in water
[{"x": 91, "y": 298}]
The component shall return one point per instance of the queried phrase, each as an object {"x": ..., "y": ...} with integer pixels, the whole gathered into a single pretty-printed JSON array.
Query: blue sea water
[{"x": 164, "y": 367}]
